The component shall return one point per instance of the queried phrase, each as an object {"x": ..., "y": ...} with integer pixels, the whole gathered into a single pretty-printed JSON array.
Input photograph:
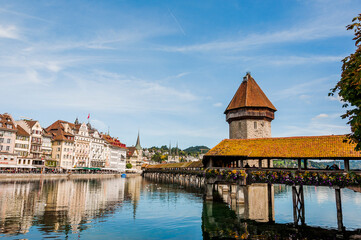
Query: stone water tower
[{"x": 250, "y": 112}]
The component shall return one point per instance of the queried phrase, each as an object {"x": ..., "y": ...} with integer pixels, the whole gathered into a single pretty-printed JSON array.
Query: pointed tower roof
[
  {"x": 249, "y": 94},
  {"x": 137, "y": 145}
]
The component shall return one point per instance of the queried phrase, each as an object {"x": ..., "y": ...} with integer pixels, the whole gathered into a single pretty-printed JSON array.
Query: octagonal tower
[{"x": 250, "y": 112}]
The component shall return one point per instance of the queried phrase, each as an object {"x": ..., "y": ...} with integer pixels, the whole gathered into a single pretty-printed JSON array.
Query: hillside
[{"x": 197, "y": 149}]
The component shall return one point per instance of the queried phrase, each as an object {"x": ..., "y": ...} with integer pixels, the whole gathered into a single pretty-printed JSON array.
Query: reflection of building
[
  {"x": 59, "y": 205},
  {"x": 135, "y": 155}
]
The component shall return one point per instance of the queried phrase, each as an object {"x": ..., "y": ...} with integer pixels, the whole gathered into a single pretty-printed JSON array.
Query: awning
[
  {"x": 8, "y": 166},
  {"x": 88, "y": 168},
  {"x": 24, "y": 166}
]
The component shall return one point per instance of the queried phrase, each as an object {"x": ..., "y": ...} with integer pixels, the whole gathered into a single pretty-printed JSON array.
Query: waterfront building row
[{"x": 62, "y": 145}]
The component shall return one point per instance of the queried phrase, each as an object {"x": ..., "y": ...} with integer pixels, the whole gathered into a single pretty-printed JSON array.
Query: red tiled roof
[
  {"x": 57, "y": 130},
  {"x": 249, "y": 94},
  {"x": 314, "y": 147},
  {"x": 130, "y": 151},
  {"x": 6, "y": 120},
  {"x": 22, "y": 132},
  {"x": 31, "y": 123},
  {"x": 113, "y": 141}
]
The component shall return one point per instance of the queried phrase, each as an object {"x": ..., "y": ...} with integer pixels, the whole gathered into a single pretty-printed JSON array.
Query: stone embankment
[{"x": 32, "y": 176}]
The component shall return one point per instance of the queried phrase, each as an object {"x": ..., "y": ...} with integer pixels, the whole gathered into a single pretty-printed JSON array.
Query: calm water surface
[{"x": 135, "y": 208}]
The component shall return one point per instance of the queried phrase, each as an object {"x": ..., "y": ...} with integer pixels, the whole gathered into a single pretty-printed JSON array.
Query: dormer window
[{"x": 255, "y": 125}]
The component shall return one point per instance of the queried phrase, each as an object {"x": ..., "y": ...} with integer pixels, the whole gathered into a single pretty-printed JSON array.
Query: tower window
[{"x": 255, "y": 125}]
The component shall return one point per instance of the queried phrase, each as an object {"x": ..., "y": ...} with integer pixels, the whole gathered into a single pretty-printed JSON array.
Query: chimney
[{"x": 245, "y": 78}]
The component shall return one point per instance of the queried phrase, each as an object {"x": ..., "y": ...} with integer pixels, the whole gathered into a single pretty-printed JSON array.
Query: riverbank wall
[{"x": 32, "y": 176}]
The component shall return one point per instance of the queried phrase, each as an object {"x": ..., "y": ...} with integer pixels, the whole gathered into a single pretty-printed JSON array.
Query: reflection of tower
[{"x": 133, "y": 185}]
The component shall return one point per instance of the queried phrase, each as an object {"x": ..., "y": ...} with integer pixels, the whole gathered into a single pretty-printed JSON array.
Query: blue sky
[{"x": 170, "y": 68}]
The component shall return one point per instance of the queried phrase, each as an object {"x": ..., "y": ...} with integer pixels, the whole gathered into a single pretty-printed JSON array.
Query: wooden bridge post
[
  {"x": 270, "y": 203},
  {"x": 298, "y": 205},
  {"x": 340, "y": 226},
  {"x": 347, "y": 164},
  {"x": 299, "y": 164},
  {"x": 209, "y": 192}
]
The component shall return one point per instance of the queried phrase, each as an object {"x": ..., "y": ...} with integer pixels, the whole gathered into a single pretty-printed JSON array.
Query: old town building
[
  {"x": 115, "y": 154},
  {"x": 97, "y": 155},
  {"x": 82, "y": 145},
  {"x": 22, "y": 147},
  {"x": 7, "y": 140},
  {"x": 62, "y": 143},
  {"x": 135, "y": 155},
  {"x": 36, "y": 141}
]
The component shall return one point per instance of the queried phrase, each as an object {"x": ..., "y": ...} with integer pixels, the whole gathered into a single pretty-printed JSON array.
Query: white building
[
  {"x": 97, "y": 149},
  {"x": 116, "y": 153},
  {"x": 82, "y": 145}
]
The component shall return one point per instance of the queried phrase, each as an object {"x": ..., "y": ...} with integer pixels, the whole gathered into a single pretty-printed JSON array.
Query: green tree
[
  {"x": 349, "y": 86},
  {"x": 129, "y": 165}
]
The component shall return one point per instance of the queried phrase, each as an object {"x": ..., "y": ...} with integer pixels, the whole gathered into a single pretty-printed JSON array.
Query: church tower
[{"x": 250, "y": 112}]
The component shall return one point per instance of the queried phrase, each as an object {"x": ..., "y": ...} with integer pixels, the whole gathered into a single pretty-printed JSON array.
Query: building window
[
  {"x": 7, "y": 148},
  {"x": 9, "y": 140},
  {"x": 255, "y": 125}
]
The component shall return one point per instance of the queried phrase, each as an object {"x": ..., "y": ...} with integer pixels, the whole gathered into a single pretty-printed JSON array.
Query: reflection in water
[
  {"x": 58, "y": 205},
  {"x": 135, "y": 208}
]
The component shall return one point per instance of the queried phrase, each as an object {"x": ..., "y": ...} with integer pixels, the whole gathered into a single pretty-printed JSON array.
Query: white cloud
[
  {"x": 322, "y": 115},
  {"x": 295, "y": 34},
  {"x": 9, "y": 32},
  {"x": 104, "y": 91},
  {"x": 301, "y": 89},
  {"x": 335, "y": 98},
  {"x": 218, "y": 104}
]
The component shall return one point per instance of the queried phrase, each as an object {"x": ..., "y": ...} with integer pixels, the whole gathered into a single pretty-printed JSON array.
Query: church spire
[
  {"x": 176, "y": 149},
  {"x": 137, "y": 145}
]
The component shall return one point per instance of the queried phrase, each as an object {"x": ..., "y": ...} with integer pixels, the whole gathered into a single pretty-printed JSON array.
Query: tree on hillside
[{"x": 349, "y": 86}]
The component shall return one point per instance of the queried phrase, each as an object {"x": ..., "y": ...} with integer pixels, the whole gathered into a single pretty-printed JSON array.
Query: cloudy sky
[{"x": 170, "y": 68}]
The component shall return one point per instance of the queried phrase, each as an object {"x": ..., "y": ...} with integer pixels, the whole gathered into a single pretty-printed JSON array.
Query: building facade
[
  {"x": 82, "y": 145},
  {"x": 115, "y": 154},
  {"x": 135, "y": 156},
  {"x": 7, "y": 141},
  {"x": 63, "y": 147}
]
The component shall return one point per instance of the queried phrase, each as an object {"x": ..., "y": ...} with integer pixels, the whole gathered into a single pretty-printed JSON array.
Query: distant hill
[{"x": 197, "y": 149}]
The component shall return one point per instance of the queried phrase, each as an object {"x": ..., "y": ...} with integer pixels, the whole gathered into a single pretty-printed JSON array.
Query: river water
[{"x": 135, "y": 208}]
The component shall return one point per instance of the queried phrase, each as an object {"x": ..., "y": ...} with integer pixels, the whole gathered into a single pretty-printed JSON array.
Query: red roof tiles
[
  {"x": 315, "y": 147},
  {"x": 249, "y": 94}
]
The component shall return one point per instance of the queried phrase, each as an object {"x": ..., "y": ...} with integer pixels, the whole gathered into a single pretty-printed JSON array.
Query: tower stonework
[{"x": 250, "y": 112}]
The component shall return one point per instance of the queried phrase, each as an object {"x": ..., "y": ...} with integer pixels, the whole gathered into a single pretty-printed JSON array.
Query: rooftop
[
  {"x": 249, "y": 94},
  {"x": 313, "y": 147}
]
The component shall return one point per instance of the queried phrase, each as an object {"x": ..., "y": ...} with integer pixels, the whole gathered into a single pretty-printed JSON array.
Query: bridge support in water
[
  {"x": 298, "y": 205},
  {"x": 254, "y": 201}
]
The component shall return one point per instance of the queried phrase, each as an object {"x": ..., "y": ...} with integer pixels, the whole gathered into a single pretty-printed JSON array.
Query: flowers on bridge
[
  {"x": 226, "y": 174},
  {"x": 306, "y": 178}
]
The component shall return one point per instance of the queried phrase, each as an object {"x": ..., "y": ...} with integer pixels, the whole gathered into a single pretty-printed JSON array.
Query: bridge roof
[
  {"x": 197, "y": 164},
  {"x": 313, "y": 147}
]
